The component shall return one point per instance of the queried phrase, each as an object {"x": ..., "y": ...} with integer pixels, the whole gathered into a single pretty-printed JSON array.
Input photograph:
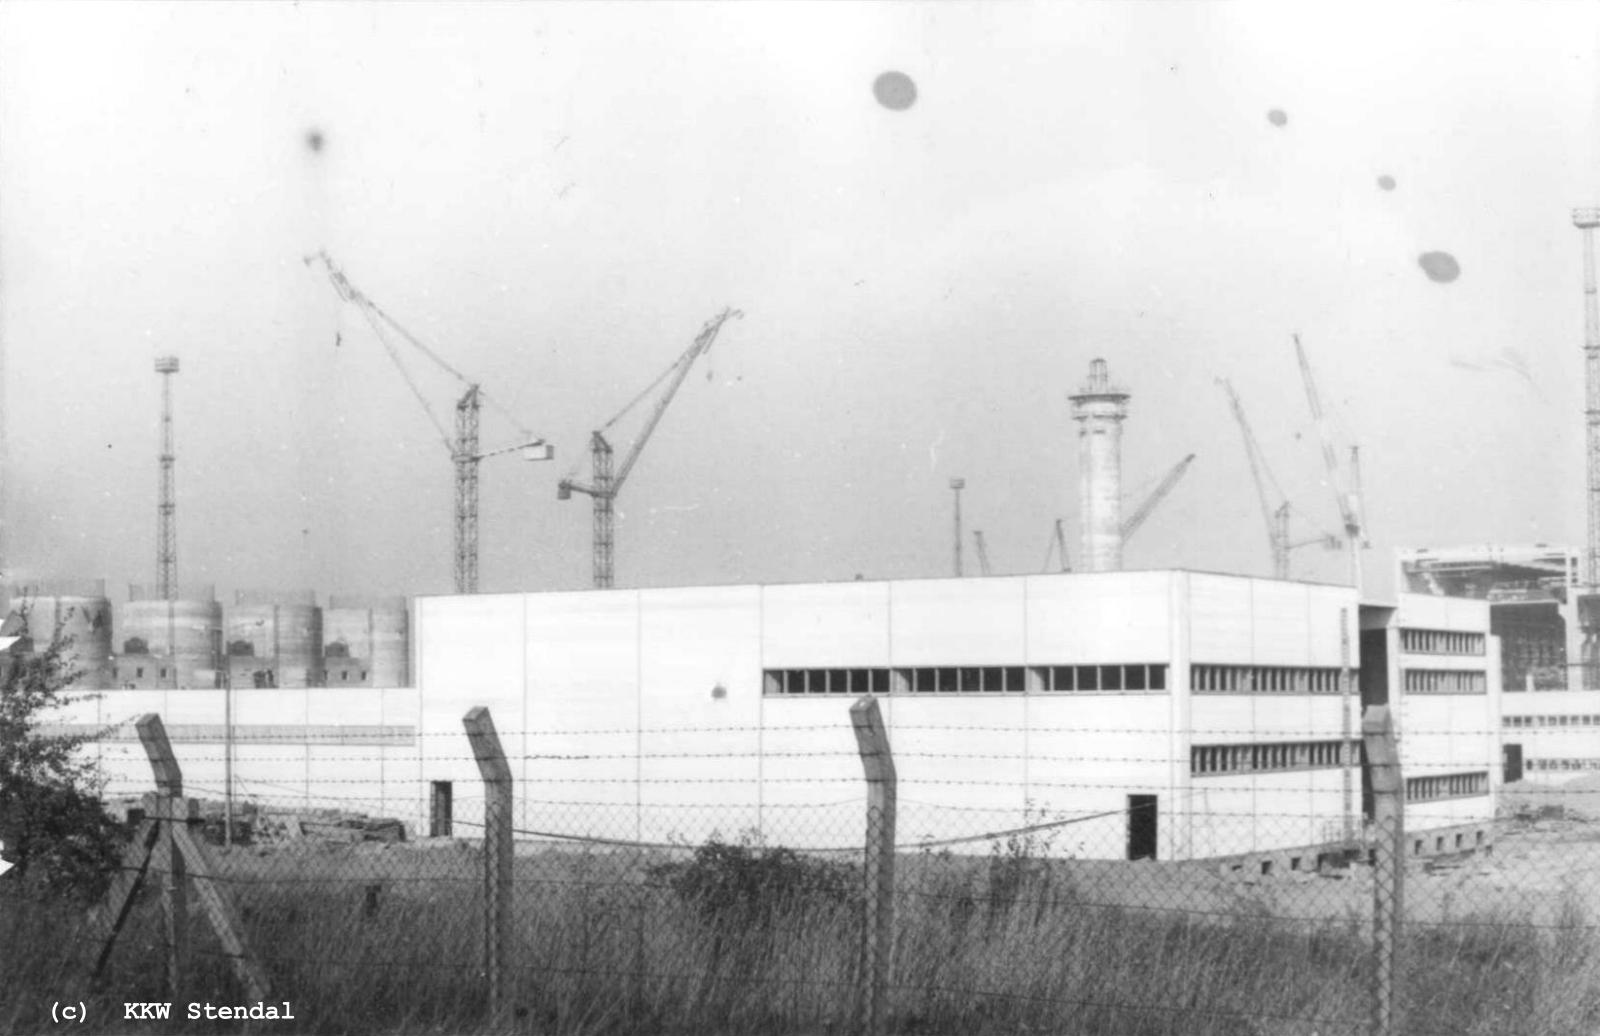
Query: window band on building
[
  {"x": 1102, "y": 678},
  {"x": 1269, "y": 757},
  {"x": 1584, "y": 720},
  {"x": 1589, "y": 763},
  {"x": 1447, "y": 786},
  {"x": 1441, "y": 642},
  {"x": 1445, "y": 681},
  {"x": 1115, "y": 678},
  {"x": 1248, "y": 679}
]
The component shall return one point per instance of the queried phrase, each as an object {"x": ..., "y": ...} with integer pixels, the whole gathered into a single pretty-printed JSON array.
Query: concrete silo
[
  {"x": 367, "y": 641},
  {"x": 275, "y": 640},
  {"x": 170, "y": 643},
  {"x": 81, "y": 611}
]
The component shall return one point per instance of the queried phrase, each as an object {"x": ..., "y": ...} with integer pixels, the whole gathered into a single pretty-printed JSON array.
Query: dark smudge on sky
[
  {"x": 1386, "y": 182},
  {"x": 895, "y": 91},
  {"x": 1278, "y": 117},
  {"x": 1439, "y": 266}
]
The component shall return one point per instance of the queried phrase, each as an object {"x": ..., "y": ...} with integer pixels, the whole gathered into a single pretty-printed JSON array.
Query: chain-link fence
[{"x": 817, "y": 890}]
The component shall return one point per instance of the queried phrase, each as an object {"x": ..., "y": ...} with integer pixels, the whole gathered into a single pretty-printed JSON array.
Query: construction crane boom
[
  {"x": 465, "y": 454},
  {"x": 1058, "y": 545},
  {"x": 1143, "y": 511},
  {"x": 1276, "y": 517},
  {"x": 1355, "y": 533},
  {"x": 608, "y": 478}
]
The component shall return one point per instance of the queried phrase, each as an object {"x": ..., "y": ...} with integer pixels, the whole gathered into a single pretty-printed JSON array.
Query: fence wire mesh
[{"x": 728, "y": 893}]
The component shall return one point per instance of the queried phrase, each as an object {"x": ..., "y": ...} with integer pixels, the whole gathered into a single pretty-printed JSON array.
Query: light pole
[{"x": 957, "y": 485}]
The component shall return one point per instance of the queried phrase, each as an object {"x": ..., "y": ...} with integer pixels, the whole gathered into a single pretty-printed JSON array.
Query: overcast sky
[{"x": 557, "y": 197}]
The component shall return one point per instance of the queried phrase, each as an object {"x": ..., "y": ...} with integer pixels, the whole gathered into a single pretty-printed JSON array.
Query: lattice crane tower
[
  {"x": 167, "y": 505},
  {"x": 1586, "y": 220}
]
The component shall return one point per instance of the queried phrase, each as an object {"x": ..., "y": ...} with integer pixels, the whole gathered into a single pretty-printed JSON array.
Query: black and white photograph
[{"x": 852, "y": 518}]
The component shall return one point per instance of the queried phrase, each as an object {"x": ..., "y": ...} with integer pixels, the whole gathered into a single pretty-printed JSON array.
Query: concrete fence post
[
  {"x": 497, "y": 825},
  {"x": 1388, "y": 864},
  {"x": 165, "y": 841},
  {"x": 877, "y": 929},
  {"x": 169, "y": 859}
]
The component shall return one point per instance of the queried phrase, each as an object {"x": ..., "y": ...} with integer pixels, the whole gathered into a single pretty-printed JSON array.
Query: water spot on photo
[
  {"x": 315, "y": 140},
  {"x": 1278, "y": 117},
  {"x": 1386, "y": 182},
  {"x": 895, "y": 91},
  {"x": 1440, "y": 267}
]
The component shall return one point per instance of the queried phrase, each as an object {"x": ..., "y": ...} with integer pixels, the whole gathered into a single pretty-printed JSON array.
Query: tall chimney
[{"x": 1100, "y": 407}]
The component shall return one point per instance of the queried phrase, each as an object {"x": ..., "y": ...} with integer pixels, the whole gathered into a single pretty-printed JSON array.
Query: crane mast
[
  {"x": 465, "y": 452},
  {"x": 983, "y": 552},
  {"x": 604, "y": 485}
]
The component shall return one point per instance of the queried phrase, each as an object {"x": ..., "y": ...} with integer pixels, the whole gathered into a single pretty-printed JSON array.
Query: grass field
[{"x": 368, "y": 939}]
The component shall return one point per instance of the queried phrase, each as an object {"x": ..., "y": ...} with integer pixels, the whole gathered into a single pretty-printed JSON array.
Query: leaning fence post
[
  {"x": 497, "y": 824},
  {"x": 877, "y": 929},
  {"x": 170, "y": 812},
  {"x": 1388, "y": 865}
]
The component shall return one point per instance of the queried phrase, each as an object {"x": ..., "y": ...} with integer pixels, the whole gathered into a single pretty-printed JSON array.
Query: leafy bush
[
  {"x": 55, "y": 830},
  {"x": 746, "y": 883}
]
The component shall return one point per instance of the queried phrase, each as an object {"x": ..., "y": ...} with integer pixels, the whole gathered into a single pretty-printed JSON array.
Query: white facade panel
[
  {"x": 1332, "y": 638},
  {"x": 965, "y": 753},
  {"x": 1099, "y": 618},
  {"x": 472, "y": 654},
  {"x": 700, "y": 709},
  {"x": 825, "y": 626},
  {"x": 948, "y": 622},
  {"x": 1281, "y": 621},
  {"x": 1220, "y": 617},
  {"x": 580, "y": 741}
]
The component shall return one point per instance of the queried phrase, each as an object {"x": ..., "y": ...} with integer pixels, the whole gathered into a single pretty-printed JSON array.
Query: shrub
[
  {"x": 55, "y": 831},
  {"x": 746, "y": 883}
]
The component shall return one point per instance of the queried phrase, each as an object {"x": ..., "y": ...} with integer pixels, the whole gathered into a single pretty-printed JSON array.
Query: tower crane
[
  {"x": 1349, "y": 498},
  {"x": 1276, "y": 513},
  {"x": 465, "y": 453},
  {"x": 983, "y": 552},
  {"x": 606, "y": 482}
]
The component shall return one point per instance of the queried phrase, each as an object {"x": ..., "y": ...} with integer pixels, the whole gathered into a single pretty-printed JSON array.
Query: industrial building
[
  {"x": 1550, "y": 715},
  {"x": 1182, "y": 714}
]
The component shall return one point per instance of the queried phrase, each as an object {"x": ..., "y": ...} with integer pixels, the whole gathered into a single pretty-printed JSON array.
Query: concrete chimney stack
[{"x": 1100, "y": 407}]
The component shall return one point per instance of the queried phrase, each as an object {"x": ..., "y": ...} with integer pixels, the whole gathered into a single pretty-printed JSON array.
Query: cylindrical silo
[
  {"x": 182, "y": 639},
  {"x": 81, "y": 611},
  {"x": 1100, "y": 408},
  {"x": 373, "y": 630},
  {"x": 284, "y": 630}
]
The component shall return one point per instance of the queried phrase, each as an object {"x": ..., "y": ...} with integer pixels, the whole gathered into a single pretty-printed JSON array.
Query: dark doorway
[
  {"x": 1374, "y": 667},
  {"x": 439, "y": 811},
  {"x": 1142, "y": 814},
  {"x": 1511, "y": 758}
]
